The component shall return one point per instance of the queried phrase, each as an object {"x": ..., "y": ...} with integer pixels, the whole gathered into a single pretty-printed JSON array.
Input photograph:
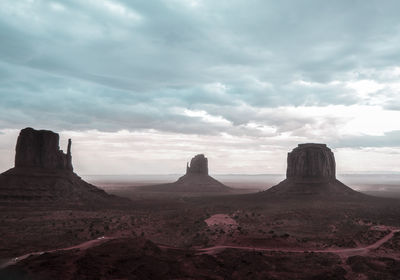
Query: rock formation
[
  {"x": 44, "y": 173},
  {"x": 40, "y": 149},
  {"x": 196, "y": 180},
  {"x": 311, "y": 162},
  {"x": 311, "y": 170},
  {"x": 198, "y": 165}
]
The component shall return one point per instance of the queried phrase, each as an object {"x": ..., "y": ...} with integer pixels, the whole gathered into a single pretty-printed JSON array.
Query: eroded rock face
[
  {"x": 40, "y": 149},
  {"x": 311, "y": 162},
  {"x": 198, "y": 165}
]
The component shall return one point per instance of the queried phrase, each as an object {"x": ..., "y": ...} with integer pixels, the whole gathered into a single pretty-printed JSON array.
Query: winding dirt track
[
  {"x": 346, "y": 252},
  {"x": 82, "y": 246}
]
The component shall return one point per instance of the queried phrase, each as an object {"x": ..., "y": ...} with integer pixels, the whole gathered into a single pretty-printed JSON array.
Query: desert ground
[{"x": 204, "y": 236}]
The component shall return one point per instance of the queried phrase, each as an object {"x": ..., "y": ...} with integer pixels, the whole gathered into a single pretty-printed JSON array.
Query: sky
[{"x": 142, "y": 86}]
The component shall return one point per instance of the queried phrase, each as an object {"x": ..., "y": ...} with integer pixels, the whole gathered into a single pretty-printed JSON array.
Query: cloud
[
  {"x": 273, "y": 71},
  {"x": 388, "y": 139}
]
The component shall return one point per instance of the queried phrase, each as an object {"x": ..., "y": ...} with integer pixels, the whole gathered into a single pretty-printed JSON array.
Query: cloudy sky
[{"x": 141, "y": 86}]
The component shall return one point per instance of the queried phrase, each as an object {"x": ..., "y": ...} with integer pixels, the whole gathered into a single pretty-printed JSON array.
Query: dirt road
[
  {"x": 345, "y": 252},
  {"x": 82, "y": 246}
]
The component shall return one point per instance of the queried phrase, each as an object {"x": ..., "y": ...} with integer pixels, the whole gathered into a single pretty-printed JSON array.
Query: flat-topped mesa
[
  {"x": 198, "y": 165},
  {"x": 311, "y": 162},
  {"x": 40, "y": 149}
]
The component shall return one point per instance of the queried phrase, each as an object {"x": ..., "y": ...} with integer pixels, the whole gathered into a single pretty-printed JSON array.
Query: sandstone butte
[
  {"x": 196, "y": 180},
  {"x": 44, "y": 173},
  {"x": 311, "y": 170}
]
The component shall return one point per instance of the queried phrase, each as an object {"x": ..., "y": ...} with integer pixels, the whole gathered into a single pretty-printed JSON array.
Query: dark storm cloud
[{"x": 112, "y": 65}]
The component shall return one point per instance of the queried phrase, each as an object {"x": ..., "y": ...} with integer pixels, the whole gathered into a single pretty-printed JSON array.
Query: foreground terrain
[{"x": 248, "y": 236}]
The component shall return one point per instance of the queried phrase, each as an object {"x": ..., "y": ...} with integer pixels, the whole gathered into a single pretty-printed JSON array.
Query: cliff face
[
  {"x": 311, "y": 162},
  {"x": 40, "y": 149},
  {"x": 198, "y": 165}
]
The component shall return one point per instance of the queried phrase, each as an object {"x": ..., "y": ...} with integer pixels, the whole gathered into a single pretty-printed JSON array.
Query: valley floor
[{"x": 208, "y": 237}]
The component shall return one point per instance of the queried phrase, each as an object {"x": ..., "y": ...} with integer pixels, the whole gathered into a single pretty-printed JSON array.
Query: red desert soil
[
  {"x": 83, "y": 246},
  {"x": 342, "y": 252}
]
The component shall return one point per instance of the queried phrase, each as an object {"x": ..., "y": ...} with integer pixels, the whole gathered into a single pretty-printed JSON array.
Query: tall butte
[
  {"x": 39, "y": 149},
  {"x": 196, "y": 180},
  {"x": 44, "y": 173},
  {"x": 198, "y": 165},
  {"x": 311, "y": 170}
]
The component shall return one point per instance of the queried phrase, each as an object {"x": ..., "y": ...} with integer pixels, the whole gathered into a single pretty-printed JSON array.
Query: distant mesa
[
  {"x": 198, "y": 165},
  {"x": 196, "y": 180},
  {"x": 311, "y": 170},
  {"x": 44, "y": 173}
]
